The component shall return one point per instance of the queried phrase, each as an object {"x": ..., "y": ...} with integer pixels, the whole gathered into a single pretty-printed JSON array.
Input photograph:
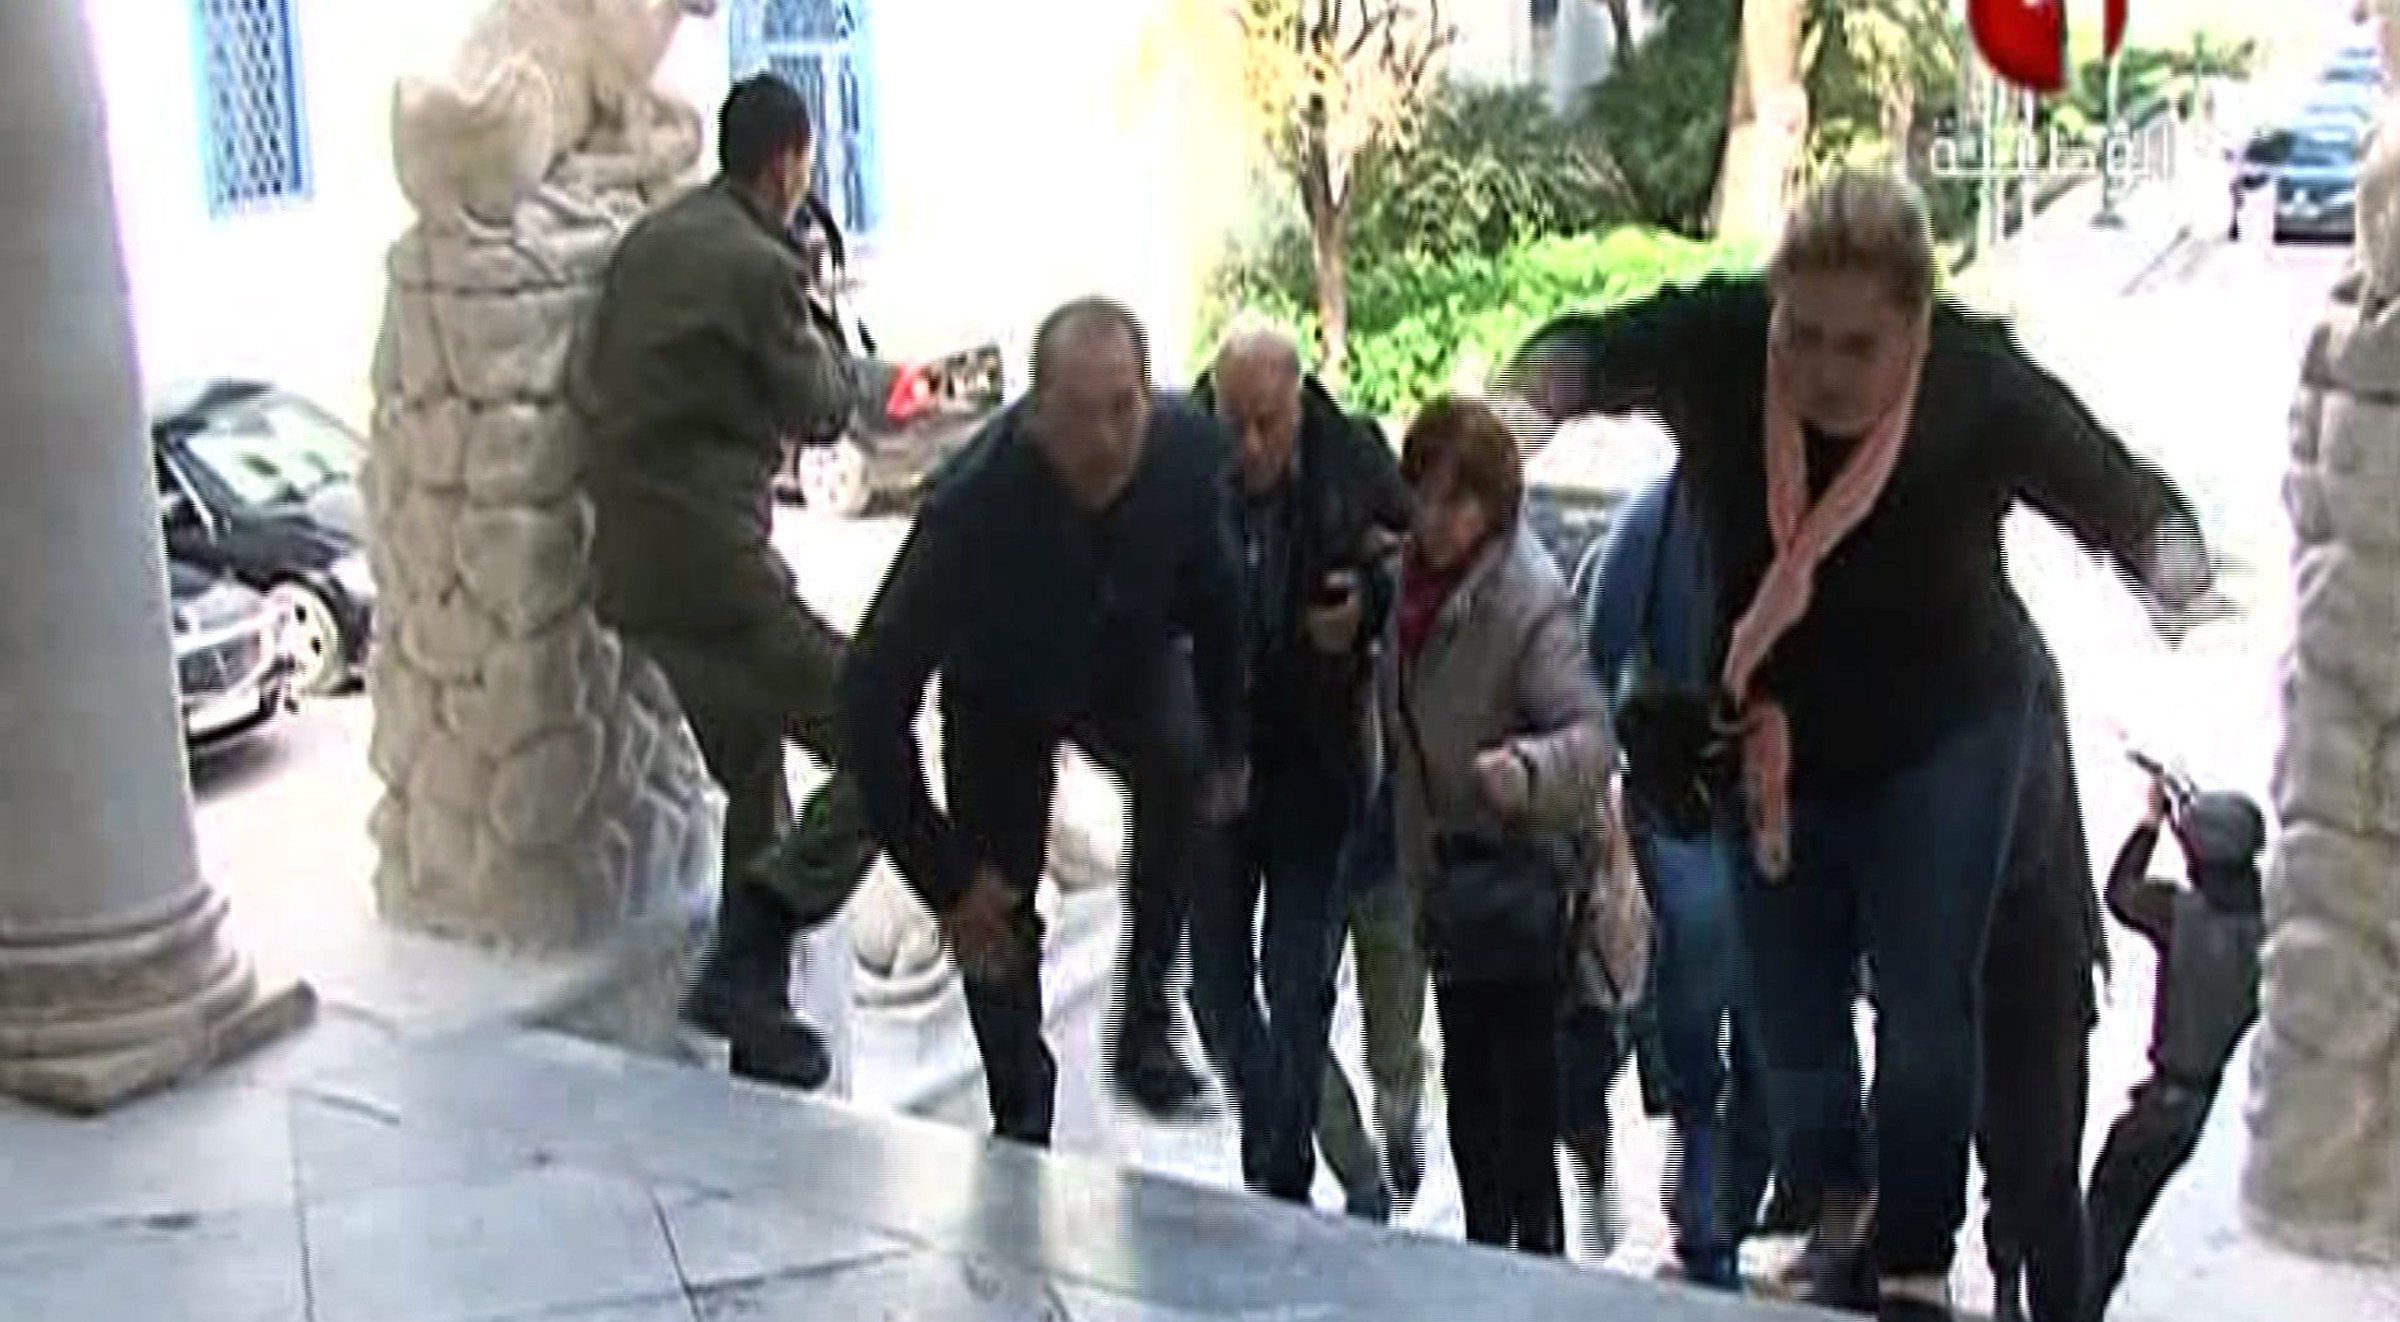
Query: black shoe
[
  {"x": 1834, "y": 1269},
  {"x": 1915, "y": 1299},
  {"x": 1155, "y": 1080},
  {"x": 1789, "y": 1213},
  {"x": 1371, "y": 1203},
  {"x": 743, "y": 994},
  {"x": 2008, "y": 1293},
  {"x": 792, "y": 1056}
]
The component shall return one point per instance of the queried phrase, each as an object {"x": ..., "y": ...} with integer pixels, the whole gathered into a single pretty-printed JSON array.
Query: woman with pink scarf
[{"x": 1853, "y": 443}]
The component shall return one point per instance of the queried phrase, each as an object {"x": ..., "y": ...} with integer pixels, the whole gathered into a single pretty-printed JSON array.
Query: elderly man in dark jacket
[
  {"x": 1070, "y": 580},
  {"x": 1316, "y": 501},
  {"x": 703, "y": 356}
]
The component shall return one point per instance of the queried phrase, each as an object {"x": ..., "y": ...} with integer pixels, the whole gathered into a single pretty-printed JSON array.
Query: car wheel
[
  {"x": 313, "y": 635},
  {"x": 833, "y": 479}
]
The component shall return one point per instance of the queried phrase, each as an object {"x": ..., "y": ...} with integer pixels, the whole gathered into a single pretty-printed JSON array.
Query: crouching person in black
[
  {"x": 2207, "y": 935},
  {"x": 1316, "y": 501},
  {"x": 1052, "y": 580}
]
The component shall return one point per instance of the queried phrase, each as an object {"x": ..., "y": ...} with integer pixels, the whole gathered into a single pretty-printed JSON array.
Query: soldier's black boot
[{"x": 743, "y": 993}]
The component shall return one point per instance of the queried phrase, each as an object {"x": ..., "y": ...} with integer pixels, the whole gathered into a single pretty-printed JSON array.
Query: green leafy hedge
[
  {"x": 1416, "y": 320},
  {"x": 1660, "y": 113},
  {"x": 1487, "y": 167}
]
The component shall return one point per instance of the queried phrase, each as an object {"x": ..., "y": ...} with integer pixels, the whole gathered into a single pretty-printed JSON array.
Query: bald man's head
[
  {"x": 1258, "y": 386},
  {"x": 1091, "y": 398}
]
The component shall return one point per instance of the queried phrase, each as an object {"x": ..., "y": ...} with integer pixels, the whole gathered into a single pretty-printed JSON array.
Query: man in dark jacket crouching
[{"x": 1069, "y": 579}]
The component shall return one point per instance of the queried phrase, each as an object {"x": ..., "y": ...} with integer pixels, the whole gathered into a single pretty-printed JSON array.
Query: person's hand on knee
[{"x": 981, "y": 928}]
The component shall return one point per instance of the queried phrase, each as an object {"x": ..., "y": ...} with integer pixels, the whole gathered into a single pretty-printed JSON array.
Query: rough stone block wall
[
  {"x": 541, "y": 790},
  {"x": 2324, "y": 1168}
]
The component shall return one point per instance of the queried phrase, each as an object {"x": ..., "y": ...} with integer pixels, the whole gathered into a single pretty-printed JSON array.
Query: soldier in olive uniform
[{"x": 706, "y": 355}]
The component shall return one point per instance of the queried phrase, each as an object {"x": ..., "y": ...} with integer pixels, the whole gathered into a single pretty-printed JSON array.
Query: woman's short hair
[
  {"x": 1865, "y": 220},
  {"x": 1463, "y": 441}
]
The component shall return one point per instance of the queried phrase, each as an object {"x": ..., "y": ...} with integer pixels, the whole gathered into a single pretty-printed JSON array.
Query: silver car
[{"x": 233, "y": 665}]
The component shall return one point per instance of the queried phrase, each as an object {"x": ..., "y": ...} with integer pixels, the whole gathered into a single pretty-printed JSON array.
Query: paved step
[{"x": 793, "y": 1207}]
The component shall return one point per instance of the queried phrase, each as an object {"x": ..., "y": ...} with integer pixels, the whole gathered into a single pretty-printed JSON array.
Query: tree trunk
[
  {"x": 1330, "y": 240},
  {"x": 1767, "y": 128},
  {"x": 1900, "y": 128},
  {"x": 1329, "y": 244},
  {"x": 1620, "y": 23}
]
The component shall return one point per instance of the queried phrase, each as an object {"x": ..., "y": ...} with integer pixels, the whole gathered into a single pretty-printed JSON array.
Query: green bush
[
  {"x": 1660, "y": 114},
  {"x": 1416, "y": 319},
  {"x": 1488, "y": 167}
]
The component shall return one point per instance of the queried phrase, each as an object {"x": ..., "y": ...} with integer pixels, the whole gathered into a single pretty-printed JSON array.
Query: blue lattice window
[
  {"x": 821, "y": 47},
  {"x": 254, "y": 136}
]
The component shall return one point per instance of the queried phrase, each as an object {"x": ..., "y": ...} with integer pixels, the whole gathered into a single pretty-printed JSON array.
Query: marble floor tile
[
  {"x": 336, "y": 1038},
  {"x": 230, "y": 1266},
  {"x": 925, "y": 1286},
  {"x": 343, "y": 1147},
  {"x": 523, "y": 1242},
  {"x": 676, "y": 1307},
  {"x": 722, "y": 1240},
  {"x": 205, "y": 1148}
]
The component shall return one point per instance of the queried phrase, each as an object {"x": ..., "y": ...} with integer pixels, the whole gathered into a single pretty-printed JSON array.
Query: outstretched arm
[
  {"x": 883, "y": 686},
  {"x": 1630, "y": 357},
  {"x": 2140, "y": 902},
  {"x": 2077, "y": 472}
]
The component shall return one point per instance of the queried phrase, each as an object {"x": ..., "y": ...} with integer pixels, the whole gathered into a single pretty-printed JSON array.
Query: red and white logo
[{"x": 2025, "y": 41}]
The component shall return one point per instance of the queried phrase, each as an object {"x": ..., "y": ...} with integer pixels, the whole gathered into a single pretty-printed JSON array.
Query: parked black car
[
  {"x": 2312, "y": 165},
  {"x": 232, "y": 672},
  {"x": 261, "y": 485}
]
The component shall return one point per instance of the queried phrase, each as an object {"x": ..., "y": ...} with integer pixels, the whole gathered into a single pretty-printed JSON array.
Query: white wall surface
[
  {"x": 293, "y": 291},
  {"x": 1494, "y": 42},
  {"x": 1031, "y": 152}
]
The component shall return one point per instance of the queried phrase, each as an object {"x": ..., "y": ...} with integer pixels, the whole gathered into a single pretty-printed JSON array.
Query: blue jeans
[
  {"x": 1699, "y": 989},
  {"x": 1289, "y": 849},
  {"x": 1906, "y": 872}
]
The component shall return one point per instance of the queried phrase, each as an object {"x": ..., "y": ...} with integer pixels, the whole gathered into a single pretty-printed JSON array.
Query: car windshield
[
  {"x": 2322, "y": 151},
  {"x": 274, "y": 449}
]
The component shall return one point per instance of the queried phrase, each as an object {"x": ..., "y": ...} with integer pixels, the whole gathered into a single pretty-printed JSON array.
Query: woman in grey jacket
[{"x": 1503, "y": 737}]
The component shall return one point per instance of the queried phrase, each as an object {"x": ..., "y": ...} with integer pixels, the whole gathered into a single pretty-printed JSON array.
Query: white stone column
[
  {"x": 113, "y": 975},
  {"x": 2324, "y": 1169}
]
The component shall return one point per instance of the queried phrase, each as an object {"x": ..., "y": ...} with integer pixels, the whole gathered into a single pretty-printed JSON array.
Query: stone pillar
[
  {"x": 2324, "y": 1167},
  {"x": 114, "y": 977},
  {"x": 542, "y": 793}
]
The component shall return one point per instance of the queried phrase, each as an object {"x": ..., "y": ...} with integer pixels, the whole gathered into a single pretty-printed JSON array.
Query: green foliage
[
  {"x": 1417, "y": 320},
  {"x": 2149, "y": 76},
  {"x": 1871, "y": 67},
  {"x": 1486, "y": 168},
  {"x": 1660, "y": 114}
]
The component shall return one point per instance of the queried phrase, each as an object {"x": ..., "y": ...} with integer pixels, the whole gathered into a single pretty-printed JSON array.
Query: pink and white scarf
[{"x": 1804, "y": 535}]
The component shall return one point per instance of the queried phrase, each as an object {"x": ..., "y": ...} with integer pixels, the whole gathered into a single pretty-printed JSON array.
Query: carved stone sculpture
[
  {"x": 541, "y": 790},
  {"x": 2324, "y": 1167},
  {"x": 546, "y": 91}
]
